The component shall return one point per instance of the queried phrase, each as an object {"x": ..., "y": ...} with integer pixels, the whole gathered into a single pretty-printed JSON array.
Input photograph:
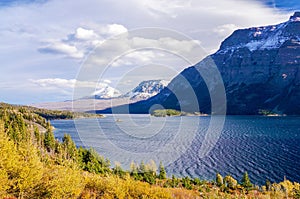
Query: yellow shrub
[
  {"x": 61, "y": 182},
  {"x": 116, "y": 187},
  {"x": 4, "y": 183}
]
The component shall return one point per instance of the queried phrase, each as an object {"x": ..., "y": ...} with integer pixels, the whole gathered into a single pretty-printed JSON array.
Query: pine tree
[
  {"x": 118, "y": 170},
  {"x": 152, "y": 168},
  {"x": 186, "y": 183},
  {"x": 22, "y": 128},
  {"x": 246, "y": 183},
  {"x": 91, "y": 161},
  {"x": 49, "y": 139},
  {"x": 174, "y": 181},
  {"x": 37, "y": 136},
  {"x": 69, "y": 147},
  {"x": 162, "y": 172},
  {"x": 142, "y": 168},
  {"x": 134, "y": 171}
]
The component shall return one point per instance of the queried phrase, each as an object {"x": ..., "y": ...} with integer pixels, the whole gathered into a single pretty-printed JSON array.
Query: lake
[{"x": 266, "y": 147}]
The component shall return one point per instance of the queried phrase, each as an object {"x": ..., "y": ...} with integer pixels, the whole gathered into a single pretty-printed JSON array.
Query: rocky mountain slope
[{"x": 260, "y": 68}]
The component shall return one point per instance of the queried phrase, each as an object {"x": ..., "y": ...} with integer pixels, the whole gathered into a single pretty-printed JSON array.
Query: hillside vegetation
[
  {"x": 35, "y": 165},
  {"x": 49, "y": 114}
]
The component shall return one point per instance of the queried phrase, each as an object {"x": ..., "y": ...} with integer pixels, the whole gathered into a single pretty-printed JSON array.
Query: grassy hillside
[{"x": 34, "y": 164}]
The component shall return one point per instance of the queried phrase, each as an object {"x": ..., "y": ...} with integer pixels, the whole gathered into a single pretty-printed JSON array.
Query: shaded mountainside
[{"x": 260, "y": 70}]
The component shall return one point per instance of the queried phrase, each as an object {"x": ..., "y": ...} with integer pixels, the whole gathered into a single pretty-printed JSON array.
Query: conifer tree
[
  {"x": 142, "y": 168},
  {"x": 186, "y": 183},
  {"x": 118, "y": 169},
  {"x": 37, "y": 136},
  {"x": 162, "y": 172},
  {"x": 134, "y": 171},
  {"x": 89, "y": 160},
  {"x": 69, "y": 147},
  {"x": 174, "y": 181},
  {"x": 246, "y": 183},
  {"x": 49, "y": 139}
]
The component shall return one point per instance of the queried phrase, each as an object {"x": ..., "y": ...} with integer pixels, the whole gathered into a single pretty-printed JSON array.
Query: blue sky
[
  {"x": 4, "y": 3},
  {"x": 45, "y": 43},
  {"x": 283, "y": 4}
]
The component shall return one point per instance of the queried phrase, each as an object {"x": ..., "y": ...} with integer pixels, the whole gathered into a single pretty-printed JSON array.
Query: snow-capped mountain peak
[
  {"x": 144, "y": 90},
  {"x": 147, "y": 89},
  {"x": 105, "y": 91}
]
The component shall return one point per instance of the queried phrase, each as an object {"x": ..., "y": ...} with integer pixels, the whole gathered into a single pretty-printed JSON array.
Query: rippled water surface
[{"x": 266, "y": 147}]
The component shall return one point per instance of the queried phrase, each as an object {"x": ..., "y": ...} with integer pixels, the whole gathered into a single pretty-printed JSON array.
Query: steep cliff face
[{"x": 260, "y": 68}]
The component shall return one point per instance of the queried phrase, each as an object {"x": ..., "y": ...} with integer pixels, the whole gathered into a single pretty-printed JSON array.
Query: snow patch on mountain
[{"x": 261, "y": 38}]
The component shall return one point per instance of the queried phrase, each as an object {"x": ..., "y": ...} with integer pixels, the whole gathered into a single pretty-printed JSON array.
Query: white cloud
[
  {"x": 82, "y": 41},
  {"x": 135, "y": 58},
  {"x": 51, "y": 83},
  {"x": 107, "y": 81},
  {"x": 62, "y": 48},
  {"x": 112, "y": 30},
  {"x": 138, "y": 51},
  {"x": 69, "y": 83},
  {"x": 85, "y": 34}
]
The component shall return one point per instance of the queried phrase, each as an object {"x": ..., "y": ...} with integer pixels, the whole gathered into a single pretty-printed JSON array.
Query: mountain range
[
  {"x": 105, "y": 96},
  {"x": 260, "y": 69}
]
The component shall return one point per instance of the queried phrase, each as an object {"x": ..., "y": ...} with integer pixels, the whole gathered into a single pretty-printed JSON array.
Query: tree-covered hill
[{"x": 48, "y": 114}]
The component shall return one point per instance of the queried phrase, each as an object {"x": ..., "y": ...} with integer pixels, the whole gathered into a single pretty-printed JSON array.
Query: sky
[{"x": 48, "y": 46}]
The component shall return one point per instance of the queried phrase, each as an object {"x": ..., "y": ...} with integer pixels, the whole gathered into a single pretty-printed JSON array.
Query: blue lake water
[{"x": 266, "y": 147}]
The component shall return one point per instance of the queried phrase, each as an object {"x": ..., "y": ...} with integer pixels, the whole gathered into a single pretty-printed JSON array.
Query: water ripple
[{"x": 266, "y": 147}]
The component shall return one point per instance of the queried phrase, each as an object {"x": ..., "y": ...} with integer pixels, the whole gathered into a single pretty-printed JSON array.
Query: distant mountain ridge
[
  {"x": 260, "y": 68},
  {"x": 144, "y": 90},
  {"x": 106, "y": 95}
]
